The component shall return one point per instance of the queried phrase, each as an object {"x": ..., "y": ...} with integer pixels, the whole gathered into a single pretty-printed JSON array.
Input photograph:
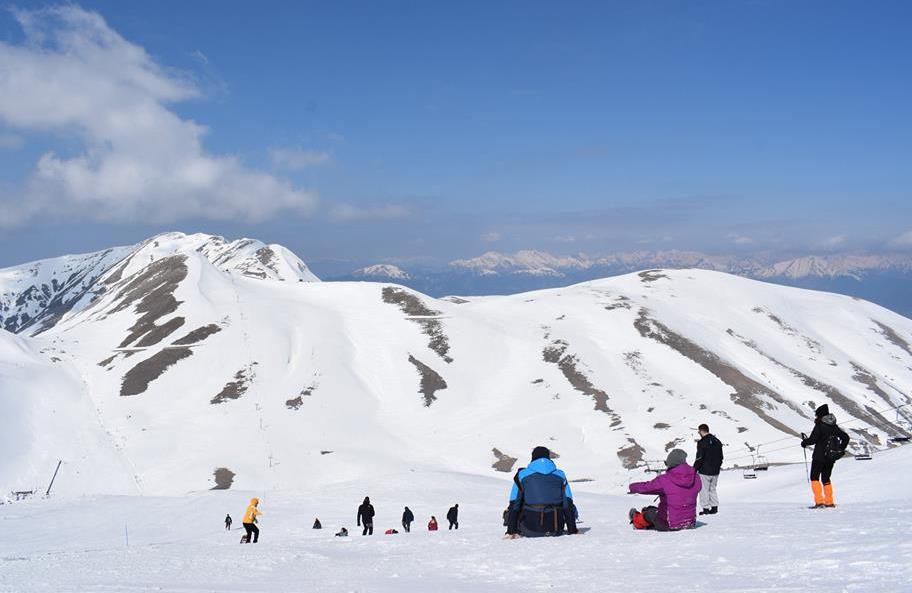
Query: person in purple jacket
[{"x": 677, "y": 489}]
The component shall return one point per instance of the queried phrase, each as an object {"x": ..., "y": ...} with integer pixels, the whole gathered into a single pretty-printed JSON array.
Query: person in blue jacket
[{"x": 541, "y": 502}]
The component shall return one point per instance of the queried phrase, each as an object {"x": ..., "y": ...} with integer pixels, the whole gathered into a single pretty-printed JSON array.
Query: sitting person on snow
[
  {"x": 541, "y": 502},
  {"x": 677, "y": 489},
  {"x": 342, "y": 533}
]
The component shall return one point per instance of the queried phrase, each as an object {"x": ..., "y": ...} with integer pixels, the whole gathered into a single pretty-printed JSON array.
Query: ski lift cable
[{"x": 847, "y": 423}]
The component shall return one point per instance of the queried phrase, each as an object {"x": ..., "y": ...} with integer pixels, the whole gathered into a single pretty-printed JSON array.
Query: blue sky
[{"x": 420, "y": 131}]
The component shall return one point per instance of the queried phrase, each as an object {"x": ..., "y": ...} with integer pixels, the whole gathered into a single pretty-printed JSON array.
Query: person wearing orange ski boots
[{"x": 830, "y": 443}]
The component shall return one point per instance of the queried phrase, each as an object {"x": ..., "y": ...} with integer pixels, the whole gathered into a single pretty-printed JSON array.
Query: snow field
[{"x": 763, "y": 540}]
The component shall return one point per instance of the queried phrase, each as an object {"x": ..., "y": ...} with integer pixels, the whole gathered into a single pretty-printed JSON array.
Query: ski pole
[{"x": 807, "y": 472}]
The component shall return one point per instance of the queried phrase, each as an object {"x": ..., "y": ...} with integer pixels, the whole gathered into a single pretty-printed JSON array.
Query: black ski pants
[
  {"x": 454, "y": 524},
  {"x": 821, "y": 470},
  {"x": 252, "y": 530},
  {"x": 368, "y": 528},
  {"x": 407, "y": 526}
]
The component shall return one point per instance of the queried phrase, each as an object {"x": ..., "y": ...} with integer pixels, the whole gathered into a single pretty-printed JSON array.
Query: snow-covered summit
[
  {"x": 379, "y": 271},
  {"x": 34, "y": 296}
]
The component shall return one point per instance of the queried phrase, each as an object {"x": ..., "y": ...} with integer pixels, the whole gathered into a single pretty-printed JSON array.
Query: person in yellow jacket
[{"x": 250, "y": 518}]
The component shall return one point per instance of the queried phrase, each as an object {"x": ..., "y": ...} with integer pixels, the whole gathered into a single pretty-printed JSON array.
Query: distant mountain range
[{"x": 885, "y": 279}]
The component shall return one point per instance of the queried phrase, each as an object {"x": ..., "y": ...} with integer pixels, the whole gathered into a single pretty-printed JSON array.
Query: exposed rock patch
[
  {"x": 414, "y": 307},
  {"x": 235, "y": 389},
  {"x": 556, "y": 353},
  {"x": 431, "y": 382},
  {"x": 632, "y": 455},
  {"x": 503, "y": 462},
  {"x": 747, "y": 393},
  {"x": 152, "y": 291},
  {"x": 224, "y": 477},
  {"x": 296, "y": 402},
  {"x": 137, "y": 379},
  {"x": 648, "y": 276},
  {"x": 198, "y": 335},
  {"x": 894, "y": 338}
]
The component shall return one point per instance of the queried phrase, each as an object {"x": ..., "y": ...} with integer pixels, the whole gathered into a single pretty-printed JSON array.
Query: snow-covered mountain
[
  {"x": 540, "y": 263},
  {"x": 381, "y": 271},
  {"x": 201, "y": 363}
]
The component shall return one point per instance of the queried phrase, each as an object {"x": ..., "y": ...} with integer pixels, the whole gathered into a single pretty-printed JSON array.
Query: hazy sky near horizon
[{"x": 417, "y": 131}]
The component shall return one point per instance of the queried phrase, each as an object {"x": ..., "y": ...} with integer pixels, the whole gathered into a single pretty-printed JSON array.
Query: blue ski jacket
[{"x": 541, "y": 472}]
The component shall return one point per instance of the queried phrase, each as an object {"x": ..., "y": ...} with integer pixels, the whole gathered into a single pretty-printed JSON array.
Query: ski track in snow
[{"x": 763, "y": 540}]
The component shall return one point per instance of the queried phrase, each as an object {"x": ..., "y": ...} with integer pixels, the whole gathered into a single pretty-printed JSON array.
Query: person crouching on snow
[
  {"x": 677, "y": 489},
  {"x": 541, "y": 502}
]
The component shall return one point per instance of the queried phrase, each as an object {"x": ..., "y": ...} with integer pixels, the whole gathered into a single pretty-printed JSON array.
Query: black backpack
[{"x": 834, "y": 448}]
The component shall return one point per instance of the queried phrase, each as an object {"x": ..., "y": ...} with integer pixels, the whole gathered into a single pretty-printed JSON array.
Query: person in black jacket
[
  {"x": 407, "y": 518},
  {"x": 453, "y": 516},
  {"x": 708, "y": 464},
  {"x": 829, "y": 442},
  {"x": 366, "y": 516}
]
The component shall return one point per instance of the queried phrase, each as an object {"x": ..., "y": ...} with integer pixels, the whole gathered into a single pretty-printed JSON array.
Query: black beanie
[
  {"x": 822, "y": 411},
  {"x": 539, "y": 452}
]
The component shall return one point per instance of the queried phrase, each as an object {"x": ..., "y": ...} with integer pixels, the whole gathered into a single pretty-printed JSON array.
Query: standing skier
[
  {"x": 677, "y": 490},
  {"x": 541, "y": 502},
  {"x": 708, "y": 464},
  {"x": 228, "y": 522},
  {"x": 250, "y": 519},
  {"x": 453, "y": 516},
  {"x": 407, "y": 518},
  {"x": 830, "y": 443},
  {"x": 366, "y": 516}
]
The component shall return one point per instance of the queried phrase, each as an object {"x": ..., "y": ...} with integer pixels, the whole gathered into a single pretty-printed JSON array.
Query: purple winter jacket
[{"x": 677, "y": 489}]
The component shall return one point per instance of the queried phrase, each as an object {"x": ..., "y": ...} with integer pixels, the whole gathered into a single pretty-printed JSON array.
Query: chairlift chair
[
  {"x": 904, "y": 425},
  {"x": 864, "y": 455},
  {"x": 749, "y": 472},
  {"x": 762, "y": 463}
]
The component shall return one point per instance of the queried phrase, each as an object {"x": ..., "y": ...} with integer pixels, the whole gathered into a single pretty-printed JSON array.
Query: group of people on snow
[{"x": 541, "y": 501}]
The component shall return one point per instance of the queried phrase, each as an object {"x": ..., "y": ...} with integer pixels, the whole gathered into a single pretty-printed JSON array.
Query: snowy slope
[{"x": 215, "y": 364}]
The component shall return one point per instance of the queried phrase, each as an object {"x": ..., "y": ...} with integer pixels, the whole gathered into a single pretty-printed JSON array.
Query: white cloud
[
  {"x": 492, "y": 237},
  {"x": 740, "y": 239},
  {"x": 903, "y": 241},
  {"x": 350, "y": 213},
  {"x": 295, "y": 159},
  {"x": 834, "y": 242},
  {"x": 10, "y": 141},
  {"x": 75, "y": 76},
  {"x": 565, "y": 239}
]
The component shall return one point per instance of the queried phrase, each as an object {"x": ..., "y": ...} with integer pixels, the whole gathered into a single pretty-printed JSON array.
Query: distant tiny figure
[
  {"x": 342, "y": 533},
  {"x": 366, "y": 516},
  {"x": 390, "y": 532},
  {"x": 407, "y": 518},
  {"x": 830, "y": 443},
  {"x": 708, "y": 464},
  {"x": 317, "y": 524},
  {"x": 677, "y": 490},
  {"x": 453, "y": 516},
  {"x": 228, "y": 522},
  {"x": 432, "y": 524},
  {"x": 250, "y": 518}
]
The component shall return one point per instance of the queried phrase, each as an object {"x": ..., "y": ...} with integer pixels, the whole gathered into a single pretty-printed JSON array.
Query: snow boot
[
  {"x": 706, "y": 512},
  {"x": 817, "y": 489},
  {"x": 713, "y": 511},
  {"x": 828, "y": 496}
]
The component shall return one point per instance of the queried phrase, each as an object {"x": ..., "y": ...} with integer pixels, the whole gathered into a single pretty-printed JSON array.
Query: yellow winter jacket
[{"x": 252, "y": 512}]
